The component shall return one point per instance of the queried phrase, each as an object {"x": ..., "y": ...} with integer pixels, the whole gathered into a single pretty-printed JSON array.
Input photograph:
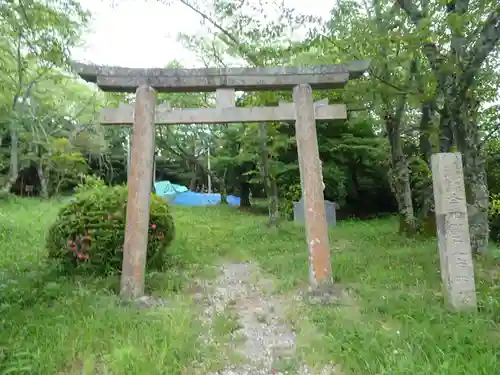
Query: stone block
[
  {"x": 457, "y": 269},
  {"x": 330, "y": 212}
]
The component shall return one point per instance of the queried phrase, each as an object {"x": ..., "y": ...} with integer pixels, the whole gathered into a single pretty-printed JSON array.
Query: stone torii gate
[{"x": 144, "y": 114}]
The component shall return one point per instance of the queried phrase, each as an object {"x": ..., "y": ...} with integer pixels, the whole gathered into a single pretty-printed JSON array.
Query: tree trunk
[
  {"x": 427, "y": 130},
  {"x": 44, "y": 184},
  {"x": 428, "y": 142},
  {"x": 476, "y": 187},
  {"x": 153, "y": 180},
  {"x": 400, "y": 177},
  {"x": 14, "y": 169},
  {"x": 272, "y": 196},
  {"x": 194, "y": 178},
  {"x": 223, "y": 190},
  {"x": 273, "y": 204},
  {"x": 245, "y": 195},
  {"x": 14, "y": 160},
  {"x": 60, "y": 181},
  {"x": 393, "y": 113}
]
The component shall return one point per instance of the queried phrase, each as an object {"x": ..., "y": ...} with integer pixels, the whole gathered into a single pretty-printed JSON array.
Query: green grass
[
  {"x": 52, "y": 324},
  {"x": 397, "y": 322}
]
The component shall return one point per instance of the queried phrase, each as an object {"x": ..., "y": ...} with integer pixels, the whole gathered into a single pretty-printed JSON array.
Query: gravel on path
[{"x": 267, "y": 338}]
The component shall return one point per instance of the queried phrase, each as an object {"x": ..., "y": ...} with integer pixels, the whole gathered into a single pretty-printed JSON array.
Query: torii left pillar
[{"x": 141, "y": 169}]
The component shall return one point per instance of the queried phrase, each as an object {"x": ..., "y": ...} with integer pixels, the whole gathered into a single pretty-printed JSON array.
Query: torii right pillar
[{"x": 320, "y": 267}]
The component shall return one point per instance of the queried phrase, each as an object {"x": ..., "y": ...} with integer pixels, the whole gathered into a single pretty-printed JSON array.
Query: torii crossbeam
[{"x": 319, "y": 77}]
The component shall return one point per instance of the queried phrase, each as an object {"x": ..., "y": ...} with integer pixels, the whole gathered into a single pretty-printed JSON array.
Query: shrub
[
  {"x": 89, "y": 232},
  {"x": 292, "y": 194},
  {"x": 91, "y": 183},
  {"x": 494, "y": 217}
]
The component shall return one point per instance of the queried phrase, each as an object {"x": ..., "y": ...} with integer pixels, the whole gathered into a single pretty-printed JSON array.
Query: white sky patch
[{"x": 143, "y": 33}]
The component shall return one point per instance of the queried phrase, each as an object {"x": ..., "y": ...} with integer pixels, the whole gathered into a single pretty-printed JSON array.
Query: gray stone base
[
  {"x": 330, "y": 212},
  {"x": 145, "y": 302},
  {"x": 326, "y": 294}
]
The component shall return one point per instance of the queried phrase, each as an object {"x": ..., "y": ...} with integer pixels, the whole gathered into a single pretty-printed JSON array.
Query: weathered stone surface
[
  {"x": 457, "y": 270},
  {"x": 166, "y": 115},
  {"x": 330, "y": 212},
  {"x": 139, "y": 189},
  {"x": 327, "y": 295},
  {"x": 120, "y": 79},
  {"x": 320, "y": 269},
  {"x": 225, "y": 98},
  {"x": 145, "y": 302}
]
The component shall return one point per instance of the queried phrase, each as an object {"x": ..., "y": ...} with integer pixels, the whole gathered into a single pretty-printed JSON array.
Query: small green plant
[
  {"x": 90, "y": 183},
  {"x": 12, "y": 362},
  {"x": 90, "y": 231},
  {"x": 494, "y": 217},
  {"x": 292, "y": 194}
]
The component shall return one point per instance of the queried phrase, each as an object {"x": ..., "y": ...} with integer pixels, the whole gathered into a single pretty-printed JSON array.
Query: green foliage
[
  {"x": 492, "y": 161},
  {"x": 292, "y": 194},
  {"x": 91, "y": 183},
  {"x": 420, "y": 179},
  {"x": 492, "y": 165},
  {"x": 12, "y": 362},
  {"x": 44, "y": 311},
  {"x": 89, "y": 232},
  {"x": 494, "y": 217},
  {"x": 39, "y": 101},
  {"x": 63, "y": 163}
]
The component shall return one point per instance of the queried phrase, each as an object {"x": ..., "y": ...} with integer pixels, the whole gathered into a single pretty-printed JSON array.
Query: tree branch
[
  {"x": 236, "y": 42},
  {"x": 488, "y": 39},
  {"x": 371, "y": 72},
  {"x": 490, "y": 134},
  {"x": 430, "y": 49}
]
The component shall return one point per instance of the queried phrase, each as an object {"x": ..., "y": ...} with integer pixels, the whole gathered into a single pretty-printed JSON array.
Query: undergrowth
[{"x": 398, "y": 323}]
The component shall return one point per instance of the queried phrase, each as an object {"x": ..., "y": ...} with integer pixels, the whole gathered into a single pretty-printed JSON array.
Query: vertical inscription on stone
[{"x": 457, "y": 270}]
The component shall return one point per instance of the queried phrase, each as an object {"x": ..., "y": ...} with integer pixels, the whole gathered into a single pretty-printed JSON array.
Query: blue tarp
[
  {"x": 233, "y": 201},
  {"x": 190, "y": 198},
  {"x": 178, "y": 194},
  {"x": 168, "y": 190}
]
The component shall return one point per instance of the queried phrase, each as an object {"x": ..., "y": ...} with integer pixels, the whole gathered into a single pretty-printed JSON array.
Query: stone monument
[{"x": 457, "y": 269}]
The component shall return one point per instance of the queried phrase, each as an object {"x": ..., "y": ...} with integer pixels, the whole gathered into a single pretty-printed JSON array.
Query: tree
[
  {"x": 458, "y": 50},
  {"x": 372, "y": 30},
  {"x": 256, "y": 42},
  {"x": 63, "y": 164},
  {"x": 36, "y": 37}
]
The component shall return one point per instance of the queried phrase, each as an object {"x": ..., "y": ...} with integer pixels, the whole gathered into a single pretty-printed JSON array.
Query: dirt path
[{"x": 262, "y": 342}]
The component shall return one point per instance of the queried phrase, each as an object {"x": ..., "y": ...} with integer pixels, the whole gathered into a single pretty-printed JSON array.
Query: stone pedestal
[{"x": 330, "y": 213}]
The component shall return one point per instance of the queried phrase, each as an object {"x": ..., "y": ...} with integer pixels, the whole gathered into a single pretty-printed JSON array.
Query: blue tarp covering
[
  {"x": 190, "y": 198},
  {"x": 168, "y": 190},
  {"x": 233, "y": 201},
  {"x": 178, "y": 194}
]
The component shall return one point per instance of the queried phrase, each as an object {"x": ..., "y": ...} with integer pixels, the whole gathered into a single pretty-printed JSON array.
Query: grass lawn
[{"x": 396, "y": 324}]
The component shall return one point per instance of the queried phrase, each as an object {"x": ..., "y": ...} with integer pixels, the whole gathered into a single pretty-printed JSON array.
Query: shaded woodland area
[{"x": 432, "y": 87}]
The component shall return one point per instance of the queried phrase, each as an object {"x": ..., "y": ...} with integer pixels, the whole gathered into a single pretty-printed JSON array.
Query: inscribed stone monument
[{"x": 457, "y": 270}]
